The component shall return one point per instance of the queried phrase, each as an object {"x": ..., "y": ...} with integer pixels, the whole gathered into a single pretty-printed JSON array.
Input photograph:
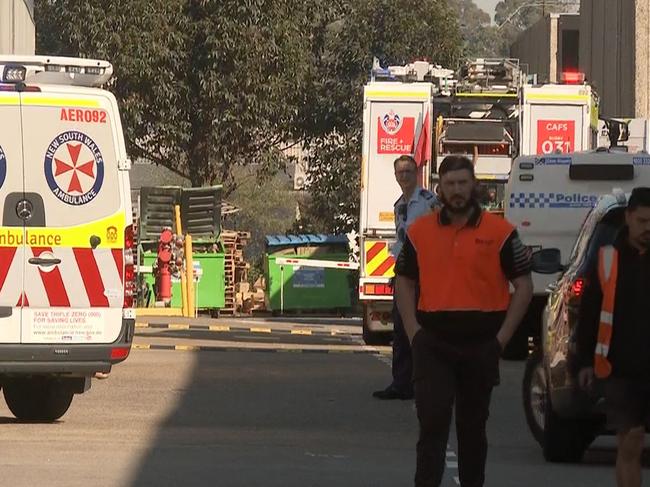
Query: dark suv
[{"x": 563, "y": 418}]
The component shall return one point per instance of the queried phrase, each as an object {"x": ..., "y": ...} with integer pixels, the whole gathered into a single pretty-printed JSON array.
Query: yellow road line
[
  {"x": 219, "y": 328},
  {"x": 260, "y": 330},
  {"x": 142, "y": 325},
  {"x": 140, "y": 346},
  {"x": 187, "y": 348},
  {"x": 178, "y": 326},
  {"x": 301, "y": 332}
]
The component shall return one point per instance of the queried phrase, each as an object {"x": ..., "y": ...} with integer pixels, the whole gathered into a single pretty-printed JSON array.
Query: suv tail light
[
  {"x": 129, "y": 267},
  {"x": 577, "y": 289}
]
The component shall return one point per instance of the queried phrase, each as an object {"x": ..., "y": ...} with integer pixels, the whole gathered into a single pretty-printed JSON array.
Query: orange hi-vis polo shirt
[{"x": 463, "y": 272}]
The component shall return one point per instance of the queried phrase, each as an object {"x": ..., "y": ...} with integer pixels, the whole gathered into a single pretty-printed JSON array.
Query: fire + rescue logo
[
  {"x": 391, "y": 123},
  {"x": 74, "y": 168},
  {"x": 3, "y": 166}
]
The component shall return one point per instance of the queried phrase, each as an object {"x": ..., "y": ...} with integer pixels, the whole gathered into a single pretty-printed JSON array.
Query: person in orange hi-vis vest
[
  {"x": 613, "y": 334},
  {"x": 463, "y": 260}
]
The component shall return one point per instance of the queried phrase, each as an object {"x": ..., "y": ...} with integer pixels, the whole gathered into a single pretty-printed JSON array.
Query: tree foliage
[
  {"x": 515, "y": 16},
  {"x": 480, "y": 36},
  {"x": 395, "y": 33},
  {"x": 204, "y": 85}
]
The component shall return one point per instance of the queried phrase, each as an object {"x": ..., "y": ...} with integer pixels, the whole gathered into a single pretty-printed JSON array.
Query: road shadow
[
  {"x": 248, "y": 419},
  {"x": 606, "y": 456}
]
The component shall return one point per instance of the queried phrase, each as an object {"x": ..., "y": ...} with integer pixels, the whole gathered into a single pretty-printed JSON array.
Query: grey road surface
[{"x": 262, "y": 418}]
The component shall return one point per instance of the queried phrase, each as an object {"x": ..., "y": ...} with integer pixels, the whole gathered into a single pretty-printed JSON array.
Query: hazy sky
[{"x": 487, "y": 5}]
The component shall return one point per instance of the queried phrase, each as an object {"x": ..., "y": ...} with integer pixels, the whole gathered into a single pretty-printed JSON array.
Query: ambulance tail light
[
  {"x": 129, "y": 267},
  {"x": 120, "y": 353}
]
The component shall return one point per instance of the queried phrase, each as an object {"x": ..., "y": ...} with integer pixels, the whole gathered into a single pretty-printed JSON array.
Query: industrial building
[
  {"x": 612, "y": 48},
  {"x": 17, "y": 30},
  {"x": 550, "y": 47}
]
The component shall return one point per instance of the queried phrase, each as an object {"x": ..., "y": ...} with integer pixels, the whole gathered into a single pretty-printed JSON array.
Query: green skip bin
[{"x": 295, "y": 287}]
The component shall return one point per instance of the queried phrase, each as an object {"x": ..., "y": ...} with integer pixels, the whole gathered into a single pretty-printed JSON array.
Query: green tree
[
  {"x": 265, "y": 208},
  {"x": 204, "y": 86},
  {"x": 515, "y": 16},
  {"x": 480, "y": 37},
  {"x": 395, "y": 33}
]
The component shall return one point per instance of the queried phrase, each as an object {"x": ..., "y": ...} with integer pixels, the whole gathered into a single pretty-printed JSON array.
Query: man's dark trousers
[
  {"x": 445, "y": 372},
  {"x": 402, "y": 359}
]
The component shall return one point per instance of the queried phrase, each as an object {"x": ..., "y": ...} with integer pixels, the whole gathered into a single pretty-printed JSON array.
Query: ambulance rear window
[{"x": 601, "y": 172}]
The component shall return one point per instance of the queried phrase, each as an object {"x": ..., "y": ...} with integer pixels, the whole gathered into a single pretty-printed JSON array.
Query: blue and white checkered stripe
[{"x": 531, "y": 200}]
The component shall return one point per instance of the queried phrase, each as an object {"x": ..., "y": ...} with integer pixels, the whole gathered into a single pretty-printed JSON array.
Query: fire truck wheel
[
  {"x": 377, "y": 338},
  {"x": 37, "y": 398}
]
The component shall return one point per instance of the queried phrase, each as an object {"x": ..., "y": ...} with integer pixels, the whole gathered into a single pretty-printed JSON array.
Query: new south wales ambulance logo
[
  {"x": 74, "y": 168},
  {"x": 391, "y": 123}
]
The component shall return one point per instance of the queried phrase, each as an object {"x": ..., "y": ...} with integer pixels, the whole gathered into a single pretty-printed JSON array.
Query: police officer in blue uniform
[{"x": 413, "y": 203}]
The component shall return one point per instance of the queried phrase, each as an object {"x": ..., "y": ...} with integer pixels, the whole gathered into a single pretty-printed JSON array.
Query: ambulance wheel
[{"x": 37, "y": 398}]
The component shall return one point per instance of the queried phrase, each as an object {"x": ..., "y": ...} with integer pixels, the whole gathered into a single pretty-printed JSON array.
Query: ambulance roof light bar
[{"x": 54, "y": 70}]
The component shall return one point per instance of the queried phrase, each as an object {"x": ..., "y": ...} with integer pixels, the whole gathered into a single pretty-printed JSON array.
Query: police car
[
  {"x": 66, "y": 238},
  {"x": 548, "y": 197}
]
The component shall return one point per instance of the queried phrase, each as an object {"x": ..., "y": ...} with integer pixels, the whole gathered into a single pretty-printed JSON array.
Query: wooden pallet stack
[
  {"x": 235, "y": 267},
  {"x": 251, "y": 300}
]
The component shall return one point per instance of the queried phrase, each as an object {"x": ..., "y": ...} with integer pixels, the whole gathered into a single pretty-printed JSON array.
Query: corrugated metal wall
[
  {"x": 540, "y": 47},
  {"x": 17, "y": 33},
  {"x": 533, "y": 48},
  {"x": 607, "y": 53}
]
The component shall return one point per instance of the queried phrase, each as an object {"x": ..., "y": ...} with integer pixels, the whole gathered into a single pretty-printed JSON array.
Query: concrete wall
[
  {"x": 17, "y": 33},
  {"x": 608, "y": 54},
  {"x": 642, "y": 59}
]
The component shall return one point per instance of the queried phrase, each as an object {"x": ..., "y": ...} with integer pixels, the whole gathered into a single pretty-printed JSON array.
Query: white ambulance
[
  {"x": 549, "y": 196},
  {"x": 66, "y": 239}
]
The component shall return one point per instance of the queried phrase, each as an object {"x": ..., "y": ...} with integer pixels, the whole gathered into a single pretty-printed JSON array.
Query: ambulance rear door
[
  {"x": 74, "y": 240},
  {"x": 11, "y": 232}
]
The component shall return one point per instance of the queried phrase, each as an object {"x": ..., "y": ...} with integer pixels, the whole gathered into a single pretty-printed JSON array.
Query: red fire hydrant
[{"x": 163, "y": 271}]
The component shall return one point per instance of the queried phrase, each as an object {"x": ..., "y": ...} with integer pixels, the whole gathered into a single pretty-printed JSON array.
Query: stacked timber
[{"x": 235, "y": 267}]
